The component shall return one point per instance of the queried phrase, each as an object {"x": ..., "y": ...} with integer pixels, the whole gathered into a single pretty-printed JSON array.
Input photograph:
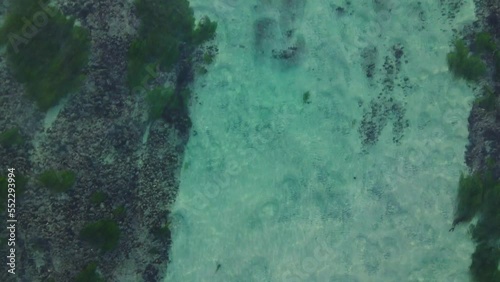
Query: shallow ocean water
[{"x": 274, "y": 188}]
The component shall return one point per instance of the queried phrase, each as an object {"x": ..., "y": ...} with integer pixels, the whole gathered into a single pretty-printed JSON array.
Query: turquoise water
[{"x": 276, "y": 189}]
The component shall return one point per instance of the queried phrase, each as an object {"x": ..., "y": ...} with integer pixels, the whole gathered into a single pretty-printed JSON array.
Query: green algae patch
[
  {"x": 158, "y": 99},
  {"x": 167, "y": 29},
  {"x": 102, "y": 234},
  {"x": 11, "y": 137},
  {"x": 57, "y": 181},
  {"x": 89, "y": 274},
  {"x": 479, "y": 195},
  {"x": 464, "y": 65},
  {"x": 45, "y": 51}
]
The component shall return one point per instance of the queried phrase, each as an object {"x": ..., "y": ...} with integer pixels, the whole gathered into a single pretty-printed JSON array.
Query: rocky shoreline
[
  {"x": 102, "y": 133},
  {"x": 484, "y": 128},
  {"x": 478, "y": 190}
]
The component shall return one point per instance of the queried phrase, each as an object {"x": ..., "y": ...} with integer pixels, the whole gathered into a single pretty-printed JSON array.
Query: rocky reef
[{"x": 95, "y": 175}]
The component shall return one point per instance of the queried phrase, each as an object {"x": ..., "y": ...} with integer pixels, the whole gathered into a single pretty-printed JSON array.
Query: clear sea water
[{"x": 275, "y": 189}]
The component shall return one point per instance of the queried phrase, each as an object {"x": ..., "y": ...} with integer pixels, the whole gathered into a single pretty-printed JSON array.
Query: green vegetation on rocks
[
  {"x": 164, "y": 99},
  {"x": 484, "y": 43},
  {"x": 158, "y": 99},
  {"x": 488, "y": 100},
  {"x": 89, "y": 274},
  {"x": 119, "y": 211},
  {"x": 57, "y": 181},
  {"x": 479, "y": 195},
  {"x": 470, "y": 196},
  {"x": 162, "y": 233},
  {"x": 103, "y": 234},
  {"x": 11, "y": 137},
  {"x": 98, "y": 197},
  {"x": 167, "y": 28},
  {"x": 45, "y": 51},
  {"x": 464, "y": 65}
]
